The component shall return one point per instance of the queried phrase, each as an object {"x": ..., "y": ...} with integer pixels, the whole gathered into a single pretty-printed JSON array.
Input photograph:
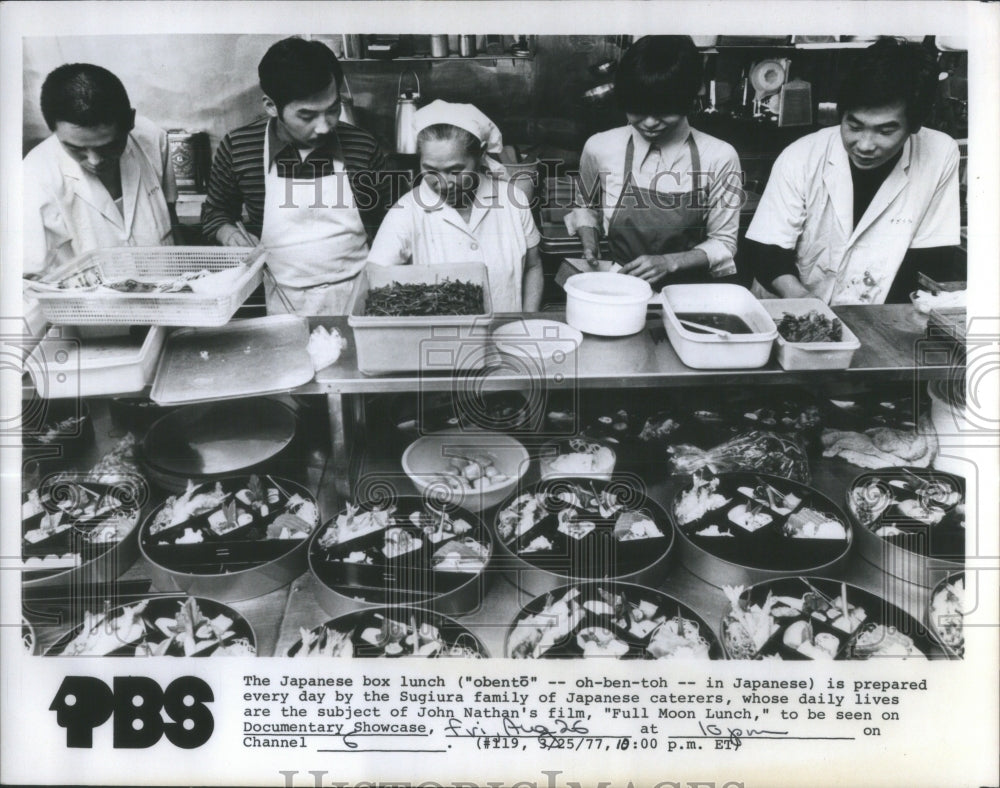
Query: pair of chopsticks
[{"x": 285, "y": 302}]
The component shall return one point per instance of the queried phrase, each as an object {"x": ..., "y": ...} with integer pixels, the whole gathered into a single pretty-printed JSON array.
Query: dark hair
[
  {"x": 85, "y": 95},
  {"x": 295, "y": 69},
  {"x": 889, "y": 72},
  {"x": 659, "y": 75},
  {"x": 445, "y": 132}
]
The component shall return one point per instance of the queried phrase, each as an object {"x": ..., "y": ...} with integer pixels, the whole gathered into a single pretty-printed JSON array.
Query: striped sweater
[{"x": 237, "y": 177}]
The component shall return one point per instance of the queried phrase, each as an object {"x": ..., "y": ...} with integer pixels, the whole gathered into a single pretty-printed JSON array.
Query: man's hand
[
  {"x": 230, "y": 235},
  {"x": 788, "y": 286}
]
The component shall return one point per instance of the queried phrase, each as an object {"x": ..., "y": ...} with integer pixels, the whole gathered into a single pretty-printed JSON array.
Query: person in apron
[
  {"x": 463, "y": 210},
  {"x": 296, "y": 172},
  {"x": 666, "y": 196}
]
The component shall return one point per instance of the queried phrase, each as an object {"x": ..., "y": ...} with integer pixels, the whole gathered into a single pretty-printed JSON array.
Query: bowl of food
[
  {"x": 717, "y": 326},
  {"x": 608, "y": 619},
  {"x": 810, "y": 335},
  {"x": 77, "y": 531},
  {"x": 404, "y": 550},
  {"x": 231, "y": 539},
  {"x": 474, "y": 470},
  {"x": 389, "y": 632},
  {"x": 571, "y": 529},
  {"x": 911, "y": 521},
  {"x": 802, "y": 618},
  {"x": 606, "y": 303},
  {"x": 740, "y": 528},
  {"x": 577, "y": 457},
  {"x": 946, "y": 614},
  {"x": 161, "y": 626}
]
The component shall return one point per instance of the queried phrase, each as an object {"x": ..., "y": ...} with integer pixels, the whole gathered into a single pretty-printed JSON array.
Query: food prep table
[{"x": 893, "y": 349}]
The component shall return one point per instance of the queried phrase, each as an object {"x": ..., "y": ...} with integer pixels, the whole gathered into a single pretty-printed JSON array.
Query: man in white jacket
[
  {"x": 103, "y": 178},
  {"x": 851, "y": 213}
]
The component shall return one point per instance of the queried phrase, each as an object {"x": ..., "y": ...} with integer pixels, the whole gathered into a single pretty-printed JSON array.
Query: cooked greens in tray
[{"x": 420, "y": 299}]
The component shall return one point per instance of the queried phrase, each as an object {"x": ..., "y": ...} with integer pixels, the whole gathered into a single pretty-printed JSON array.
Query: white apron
[{"x": 315, "y": 240}]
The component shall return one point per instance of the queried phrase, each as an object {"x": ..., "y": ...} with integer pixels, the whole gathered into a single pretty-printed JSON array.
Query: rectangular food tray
[
  {"x": 72, "y": 362},
  {"x": 810, "y": 355},
  {"x": 442, "y": 343},
  {"x": 80, "y": 307}
]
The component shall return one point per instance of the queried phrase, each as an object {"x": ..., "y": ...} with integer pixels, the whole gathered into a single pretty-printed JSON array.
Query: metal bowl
[
  {"x": 406, "y": 579},
  {"x": 238, "y": 566},
  {"x": 748, "y": 557},
  {"x": 654, "y": 608},
  {"x": 926, "y": 550},
  {"x": 219, "y": 439},
  {"x": 458, "y": 640},
  {"x": 595, "y": 555}
]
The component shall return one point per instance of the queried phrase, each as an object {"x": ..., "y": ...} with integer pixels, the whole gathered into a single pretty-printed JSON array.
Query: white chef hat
[{"x": 467, "y": 117}]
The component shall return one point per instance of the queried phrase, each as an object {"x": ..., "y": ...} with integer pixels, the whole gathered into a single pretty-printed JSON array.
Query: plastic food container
[
  {"x": 436, "y": 343},
  {"x": 810, "y": 355},
  {"x": 709, "y": 351},
  {"x": 427, "y": 460},
  {"x": 71, "y": 362},
  {"x": 607, "y": 304},
  {"x": 81, "y": 306}
]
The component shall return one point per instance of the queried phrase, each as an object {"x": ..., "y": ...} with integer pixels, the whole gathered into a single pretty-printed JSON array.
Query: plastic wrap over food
[{"x": 756, "y": 450}]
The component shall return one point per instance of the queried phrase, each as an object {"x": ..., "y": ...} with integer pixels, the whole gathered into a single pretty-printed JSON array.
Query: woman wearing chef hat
[{"x": 462, "y": 210}]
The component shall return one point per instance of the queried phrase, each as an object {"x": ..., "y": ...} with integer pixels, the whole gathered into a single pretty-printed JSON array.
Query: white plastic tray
[{"x": 810, "y": 355}]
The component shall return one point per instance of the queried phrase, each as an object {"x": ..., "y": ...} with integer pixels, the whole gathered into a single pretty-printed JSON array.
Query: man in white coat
[
  {"x": 851, "y": 213},
  {"x": 103, "y": 179}
]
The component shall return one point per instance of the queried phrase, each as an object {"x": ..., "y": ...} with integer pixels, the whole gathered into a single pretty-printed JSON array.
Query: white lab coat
[
  {"x": 808, "y": 206},
  {"x": 421, "y": 229},
  {"x": 68, "y": 211}
]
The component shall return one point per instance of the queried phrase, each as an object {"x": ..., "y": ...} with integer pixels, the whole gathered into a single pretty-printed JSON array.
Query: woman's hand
[
  {"x": 588, "y": 237},
  {"x": 656, "y": 267}
]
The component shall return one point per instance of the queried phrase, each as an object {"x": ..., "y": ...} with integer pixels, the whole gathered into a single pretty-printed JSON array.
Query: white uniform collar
[
  {"x": 89, "y": 188},
  {"x": 642, "y": 145},
  {"x": 486, "y": 197}
]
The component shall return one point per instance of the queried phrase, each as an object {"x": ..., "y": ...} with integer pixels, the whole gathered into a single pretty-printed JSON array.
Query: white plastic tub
[
  {"x": 810, "y": 355},
  {"x": 607, "y": 304},
  {"x": 72, "y": 362},
  {"x": 438, "y": 343},
  {"x": 708, "y": 351}
]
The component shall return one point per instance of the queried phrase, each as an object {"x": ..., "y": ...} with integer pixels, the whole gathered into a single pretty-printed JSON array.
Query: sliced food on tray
[
  {"x": 585, "y": 528},
  {"x": 812, "y": 618},
  {"x": 617, "y": 620},
  {"x": 882, "y": 447},
  {"x": 918, "y": 510},
  {"x": 160, "y": 627},
  {"x": 67, "y": 523},
  {"x": 388, "y": 632},
  {"x": 409, "y": 547},
  {"x": 947, "y": 613},
  {"x": 760, "y": 522}
]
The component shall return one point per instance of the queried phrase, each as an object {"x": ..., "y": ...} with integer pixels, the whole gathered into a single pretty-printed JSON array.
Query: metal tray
[{"x": 263, "y": 355}]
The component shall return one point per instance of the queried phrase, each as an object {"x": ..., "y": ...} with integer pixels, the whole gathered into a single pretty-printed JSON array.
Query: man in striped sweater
[{"x": 314, "y": 189}]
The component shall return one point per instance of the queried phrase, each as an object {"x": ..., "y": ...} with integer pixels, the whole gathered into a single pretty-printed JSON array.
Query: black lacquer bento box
[
  {"x": 230, "y": 539},
  {"x": 406, "y": 550},
  {"x": 610, "y": 619},
  {"x": 811, "y": 618},
  {"x": 910, "y": 522},
  {"x": 741, "y": 528},
  {"x": 574, "y": 529}
]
